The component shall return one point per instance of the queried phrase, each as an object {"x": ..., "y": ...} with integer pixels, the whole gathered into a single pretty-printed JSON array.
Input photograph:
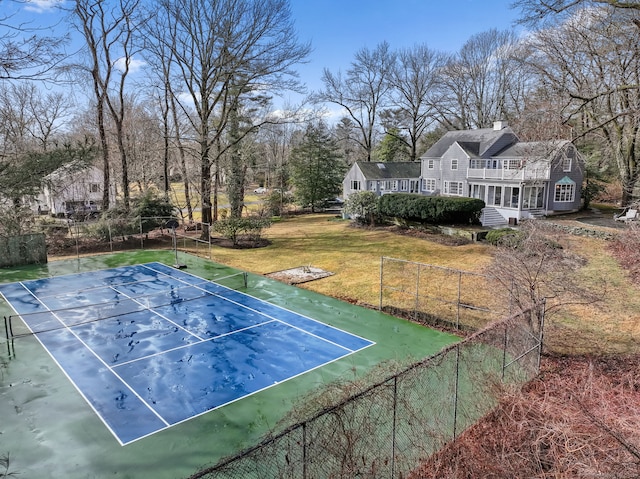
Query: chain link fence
[
  {"x": 440, "y": 296},
  {"x": 67, "y": 237},
  {"x": 387, "y": 429},
  {"x": 22, "y": 249}
]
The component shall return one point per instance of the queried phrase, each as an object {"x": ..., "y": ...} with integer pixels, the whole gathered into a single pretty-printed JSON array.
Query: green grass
[{"x": 609, "y": 326}]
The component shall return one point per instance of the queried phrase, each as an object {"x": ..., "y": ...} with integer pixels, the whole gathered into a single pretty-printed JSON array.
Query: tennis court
[
  {"x": 150, "y": 346},
  {"x": 120, "y": 379}
]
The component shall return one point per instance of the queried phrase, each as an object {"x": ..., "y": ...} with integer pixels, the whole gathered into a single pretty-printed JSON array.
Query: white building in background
[{"x": 72, "y": 190}]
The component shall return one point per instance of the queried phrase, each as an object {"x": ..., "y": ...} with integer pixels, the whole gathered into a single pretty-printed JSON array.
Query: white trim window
[
  {"x": 429, "y": 184},
  {"x": 565, "y": 192},
  {"x": 355, "y": 185},
  {"x": 372, "y": 185},
  {"x": 512, "y": 164},
  {"x": 533, "y": 197},
  {"x": 404, "y": 185},
  {"x": 454, "y": 164},
  {"x": 453, "y": 188},
  {"x": 566, "y": 164},
  {"x": 431, "y": 164},
  {"x": 390, "y": 185}
]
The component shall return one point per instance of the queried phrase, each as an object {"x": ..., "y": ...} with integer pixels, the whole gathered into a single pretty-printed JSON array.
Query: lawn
[{"x": 609, "y": 326}]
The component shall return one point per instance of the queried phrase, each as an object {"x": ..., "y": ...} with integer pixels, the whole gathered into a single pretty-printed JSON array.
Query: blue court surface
[{"x": 149, "y": 346}]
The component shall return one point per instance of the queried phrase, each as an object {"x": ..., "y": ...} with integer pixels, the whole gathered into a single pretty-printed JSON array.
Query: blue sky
[{"x": 339, "y": 28}]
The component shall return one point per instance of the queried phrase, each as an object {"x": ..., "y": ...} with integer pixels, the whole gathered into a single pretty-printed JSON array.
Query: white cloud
[
  {"x": 42, "y": 6},
  {"x": 333, "y": 114},
  {"x": 134, "y": 65}
]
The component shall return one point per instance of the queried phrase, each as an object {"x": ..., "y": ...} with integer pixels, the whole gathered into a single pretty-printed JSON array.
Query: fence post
[
  {"x": 381, "y": 281},
  {"x": 141, "y": 236},
  {"x": 543, "y": 309},
  {"x": 77, "y": 233},
  {"x": 417, "y": 305},
  {"x": 110, "y": 237},
  {"x": 504, "y": 349},
  {"x": 455, "y": 394},
  {"x": 304, "y": 450},
  {"x": 458, "y": 300},
  {"x": 393, "y": 431}
]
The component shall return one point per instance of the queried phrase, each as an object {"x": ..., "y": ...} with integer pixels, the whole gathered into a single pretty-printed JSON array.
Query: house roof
[
  {"x": 534, "y": 149},
  {"x": 397, "y": 169},
  {"x": 69, "y": 169},
  {"x": 474, "y": 142}
]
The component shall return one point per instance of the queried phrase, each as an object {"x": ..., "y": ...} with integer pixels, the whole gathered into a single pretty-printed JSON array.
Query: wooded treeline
[{"x": 186, "y": 92}]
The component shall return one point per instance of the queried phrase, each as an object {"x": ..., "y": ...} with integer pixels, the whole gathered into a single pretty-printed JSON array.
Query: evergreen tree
[
  {"x": 393, "y": 147},
  {"x": 317, "y": 169}
]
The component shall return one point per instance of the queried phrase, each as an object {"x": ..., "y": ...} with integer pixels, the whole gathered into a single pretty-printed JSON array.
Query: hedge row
[{"x": 431, "y": 209}]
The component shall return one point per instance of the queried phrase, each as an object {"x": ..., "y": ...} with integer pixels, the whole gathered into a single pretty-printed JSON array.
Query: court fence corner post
[{"x": 381, "y": 282}]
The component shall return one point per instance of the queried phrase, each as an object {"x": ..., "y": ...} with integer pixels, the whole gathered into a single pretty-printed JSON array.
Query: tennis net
[{"x": 44, "y": 319}]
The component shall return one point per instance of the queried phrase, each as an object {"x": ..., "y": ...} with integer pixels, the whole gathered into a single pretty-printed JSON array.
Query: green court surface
[{"x": 48, "y": 430}]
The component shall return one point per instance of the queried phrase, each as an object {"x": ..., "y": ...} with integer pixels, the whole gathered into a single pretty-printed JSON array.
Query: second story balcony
[{"x": 511, "y": 170}]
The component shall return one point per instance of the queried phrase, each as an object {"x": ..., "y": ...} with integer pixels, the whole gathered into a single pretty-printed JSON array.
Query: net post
[
  {"x": 245, "y": 279},
  {"x": 8, "y": 328}
]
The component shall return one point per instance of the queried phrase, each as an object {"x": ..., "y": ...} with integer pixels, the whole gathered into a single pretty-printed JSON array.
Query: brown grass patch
[{"x": 580, "y": 418}]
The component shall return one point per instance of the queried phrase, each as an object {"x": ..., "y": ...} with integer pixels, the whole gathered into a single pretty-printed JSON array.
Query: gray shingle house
[
  {"x": 380, "y": 178},
  {"x": 516, "y": 180}
]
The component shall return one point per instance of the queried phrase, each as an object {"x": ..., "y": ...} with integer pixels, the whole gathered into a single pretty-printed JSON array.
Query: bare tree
[
  {"x": 480, "y": 84},
  {"x": 531, "y": 266},
  {"x": 362, "y": 91},
  {"x": 224, "y": 49},
  {"x": 159, "y": 53},
  {"x": 108, "y": 30},
  {"x": 345, "y": 132},
  {"x": 25, "y": 53},
  {"x": 536, "y": 12},
  {"x": 29, "y": 119},
  {"x": 592, "y": 61},
  {"x": 413, "y": 86}
]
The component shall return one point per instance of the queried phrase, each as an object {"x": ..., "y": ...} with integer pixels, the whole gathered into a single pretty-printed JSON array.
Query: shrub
[
  {"x": 362, "y": 207},
  {"x": 277, "y": 201},
  {"x": 153, "y": 209},
  {"x": 501, "y": 235},
  {"x": 234, "y": 229},
  {"x": 431, "y": 209}
]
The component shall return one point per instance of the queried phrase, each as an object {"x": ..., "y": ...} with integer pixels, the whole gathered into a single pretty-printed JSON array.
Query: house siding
[
  {"x": 459, "y": 175},
  {"x": 354, "y": 174},
  {"x": 557, "y": 174}
]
